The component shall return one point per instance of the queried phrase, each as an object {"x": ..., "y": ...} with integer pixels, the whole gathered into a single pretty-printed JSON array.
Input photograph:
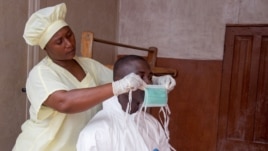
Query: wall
[
  {"x": 98, "y": 16},
  {"x": 185, "y": 29},
  {"x": 193, "y": 103},
  {"x": 189, "y": 35},
  {"x": 13, "y": 61}
]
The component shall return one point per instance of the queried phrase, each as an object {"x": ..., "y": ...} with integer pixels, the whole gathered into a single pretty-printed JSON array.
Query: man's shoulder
[
  {"x": 101, "y": 118},
  {"x": 99, "y": 122},
  {"x": 94, "y": 132}
]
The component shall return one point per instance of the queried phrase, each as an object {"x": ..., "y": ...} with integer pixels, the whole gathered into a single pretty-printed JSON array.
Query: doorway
[{"x": 243, "y": 111}]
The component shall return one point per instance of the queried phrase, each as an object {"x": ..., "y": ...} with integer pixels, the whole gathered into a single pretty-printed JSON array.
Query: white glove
[
  {"x": 167, "y": 81},
  {"x": 129, "y": 82}
]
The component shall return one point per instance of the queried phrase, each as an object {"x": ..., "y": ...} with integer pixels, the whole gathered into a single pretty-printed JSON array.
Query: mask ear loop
[
  {"x": 166, "y": 112},
  {"x": 144, "y": 107},
  {"x": 139, "y": 115},
  {"x": 127, "y": 113},
  {"x": 142, "y": 110},
  {"x": 147, "y": 130},
  {"x": 128, "y": 109}
]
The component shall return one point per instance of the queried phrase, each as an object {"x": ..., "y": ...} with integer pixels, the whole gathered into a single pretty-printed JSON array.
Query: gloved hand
[
  {"x": 167, "y": 81},
  {"x": 129, "y": 82}
]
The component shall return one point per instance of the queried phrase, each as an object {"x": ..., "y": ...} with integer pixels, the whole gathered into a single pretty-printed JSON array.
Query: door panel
[
  {"x": 243, "y": 116},
  {"x": 261, "y": 123}
]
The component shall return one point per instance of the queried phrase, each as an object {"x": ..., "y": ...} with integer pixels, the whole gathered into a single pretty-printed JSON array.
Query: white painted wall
[{"x": 185, "y": 29}]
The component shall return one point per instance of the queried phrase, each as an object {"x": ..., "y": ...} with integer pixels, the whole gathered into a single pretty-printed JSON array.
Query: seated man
[{"x": 121, "y": 125}]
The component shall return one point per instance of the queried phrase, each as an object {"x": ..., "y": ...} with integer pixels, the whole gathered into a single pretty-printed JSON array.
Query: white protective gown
[
  {"x": 113, "y": 129},
  {"x": 47, "y": 129}
]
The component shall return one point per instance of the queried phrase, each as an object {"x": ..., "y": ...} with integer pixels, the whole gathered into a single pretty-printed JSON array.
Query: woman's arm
[{"x": 78, "y": 100}]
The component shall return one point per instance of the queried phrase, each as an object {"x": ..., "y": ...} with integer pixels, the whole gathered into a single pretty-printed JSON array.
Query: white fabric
[
  {"x": 43, "y": 24},
  {"x": 47, "y": 129},
  {"x": 130, "y": 82},
  {"x": 113, "y": 129},
  {"x": 166, "y": 80}
]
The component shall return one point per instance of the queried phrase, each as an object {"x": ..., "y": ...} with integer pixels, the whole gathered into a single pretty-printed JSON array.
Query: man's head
[{"x": 139, "y": 66}]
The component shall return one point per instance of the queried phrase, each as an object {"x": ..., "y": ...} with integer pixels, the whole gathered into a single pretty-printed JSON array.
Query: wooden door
[{"x": 243, "y": 112}]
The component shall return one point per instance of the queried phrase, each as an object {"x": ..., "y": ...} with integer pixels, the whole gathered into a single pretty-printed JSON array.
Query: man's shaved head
[{"x": 126, "y": 65}]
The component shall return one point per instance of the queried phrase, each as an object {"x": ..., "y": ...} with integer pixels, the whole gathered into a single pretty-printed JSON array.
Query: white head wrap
[{"x": 43, "y": 24}]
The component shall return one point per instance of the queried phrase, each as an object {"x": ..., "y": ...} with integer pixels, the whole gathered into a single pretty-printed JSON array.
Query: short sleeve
[{"x": 42, "y": 81}]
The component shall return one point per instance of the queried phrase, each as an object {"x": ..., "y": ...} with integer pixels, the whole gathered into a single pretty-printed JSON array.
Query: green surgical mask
[{"x": 155, "y": 96}]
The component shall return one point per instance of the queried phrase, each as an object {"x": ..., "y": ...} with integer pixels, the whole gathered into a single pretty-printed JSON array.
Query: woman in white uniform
[{"x": 64, "y": 90}]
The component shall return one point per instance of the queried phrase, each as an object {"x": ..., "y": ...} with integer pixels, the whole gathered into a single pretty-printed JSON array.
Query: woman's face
[{"x": 62, "y": 45}]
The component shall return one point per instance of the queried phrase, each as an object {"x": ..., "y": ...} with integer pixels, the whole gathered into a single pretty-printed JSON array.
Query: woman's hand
[
  {"x": 167, "y": 81},
  {"x": 130, "y": 82}
]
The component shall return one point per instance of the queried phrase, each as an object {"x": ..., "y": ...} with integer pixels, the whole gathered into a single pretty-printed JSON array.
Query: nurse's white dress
[{"x": 47, "y": 129}]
